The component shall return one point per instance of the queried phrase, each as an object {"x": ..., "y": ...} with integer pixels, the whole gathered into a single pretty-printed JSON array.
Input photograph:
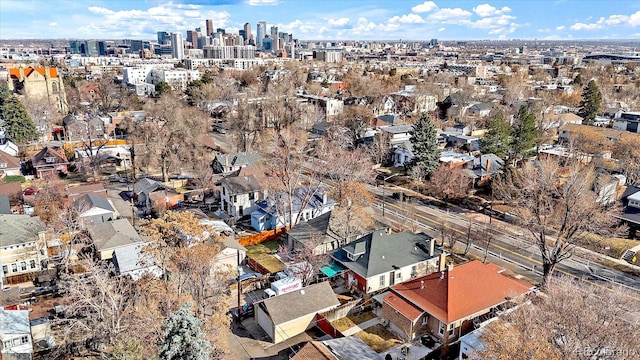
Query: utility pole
[
  {"x": 384, "y": 180},
  {"x": 239, "y": 283}
]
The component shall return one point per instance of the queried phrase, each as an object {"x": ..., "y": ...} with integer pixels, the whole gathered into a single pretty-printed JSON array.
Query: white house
[
  {"x": 272, "y": 212},
  {"x": 239, "y": 194},
  {"x": 398, "y": 134},
  {"x": 402, "y": 154},
  {"x": 15, "y": 332},
  {"x": 627, "y": 121},
  {"x": 22, "y": 247},
  {"x": 9, "y": 165}
]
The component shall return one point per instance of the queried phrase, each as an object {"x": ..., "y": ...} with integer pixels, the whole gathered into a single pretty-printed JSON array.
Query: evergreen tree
[
  {"x": 524, "y": 133},
  {"x": 424, "y": 138},
  {"x": 498, "y": 139},
  {"x": 162, "y": 88},
  {"x": 590, "y": 103},
  {"x": 17, "y": 123},
  {"x": 183, "y": 337}
]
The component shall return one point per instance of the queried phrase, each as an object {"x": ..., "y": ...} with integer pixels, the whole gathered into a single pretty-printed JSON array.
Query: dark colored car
[
  {"x": 245, "y": 311},
  {"x": 248, "y": 276},
  {"x": 30, "y": 191}
]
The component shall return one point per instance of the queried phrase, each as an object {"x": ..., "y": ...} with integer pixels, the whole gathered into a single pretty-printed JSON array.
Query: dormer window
[{"x": 50, "y": 159}]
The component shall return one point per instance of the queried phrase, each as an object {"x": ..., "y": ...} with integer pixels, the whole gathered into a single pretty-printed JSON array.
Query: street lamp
[{"x": 384, "y": 180}]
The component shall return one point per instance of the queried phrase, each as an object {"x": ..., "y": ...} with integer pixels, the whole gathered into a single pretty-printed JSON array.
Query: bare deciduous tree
[{"x": 556, "y": 206}]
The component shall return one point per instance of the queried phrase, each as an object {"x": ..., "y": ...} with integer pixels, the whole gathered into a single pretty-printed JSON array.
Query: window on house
[
  {"x": 32, "y": 263},
  {"x": 23, "y": 265},
  {"x": 235, "y": 198},
  {"x": 425, "y": 319},
  {"x": 3, "y": 165},
  {"x": 252, "y": 196},
  {"x": 5, "y": 269},
  {"x": 451, "y": 329},
  {"x": 381, "y": 280},
  {"x": 14, "y": 267},
  {"x": 50, "y": 159},
  {"x": 441, "y": 328},
  {"x": 223, "y": 192},
  {"x": 7, "y": 344},
  {"x": 24, "y": 339}
]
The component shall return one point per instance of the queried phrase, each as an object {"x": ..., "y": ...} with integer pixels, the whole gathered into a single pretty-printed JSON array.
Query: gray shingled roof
[
  {"x": 351, "y": 347},
  {"x": 89, "y": 201},
  {"x": 19, "y": 229},
  {"x": 241, "y": 184},
  {"x": 383, "y": 251},
  {"x": 5, "y": 205},
  {"x": 239, "y": 159},
  {"x": 113, "y": 234},
  {"x": 308, "y": 300},
  {"x": 14, "y": 322},
  {"x": 147, "y": 185}
]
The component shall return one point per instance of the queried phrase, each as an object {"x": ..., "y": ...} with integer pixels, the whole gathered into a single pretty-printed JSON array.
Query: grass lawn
[
  {"x": 352, "y": 320},
  {"x": 262, "y": 253},
  {"x": 378, "y": 338},
  {"x": 613, "y": 247}
]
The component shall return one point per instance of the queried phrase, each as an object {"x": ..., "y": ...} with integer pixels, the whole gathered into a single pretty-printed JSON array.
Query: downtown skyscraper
[{"x": 261, "y": 32}]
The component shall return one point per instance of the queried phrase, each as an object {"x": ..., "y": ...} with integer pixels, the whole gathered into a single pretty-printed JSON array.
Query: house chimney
[
  {"x": 324, "y": 197},
  {"x": 421, "y": 284},
  {"x": 488, "y": 167},
  {"x": 442, "y": 275},
  {"x": 450, "y": 266},
  {"x": 432, "y": 244},
  {"x": 226, "y": 162},
  {"x": 442, "y": 261}
]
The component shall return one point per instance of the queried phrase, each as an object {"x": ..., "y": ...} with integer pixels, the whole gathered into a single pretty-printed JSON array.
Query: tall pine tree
[
  {"x": 424, "y": 138},
  {"x": 524, "y": 133},
  {"x": 590, "y": 103},
  {"x": 17, "y": 123},
  {"x": 184, "y": 338},
  {"x": 498, "y": 139}
]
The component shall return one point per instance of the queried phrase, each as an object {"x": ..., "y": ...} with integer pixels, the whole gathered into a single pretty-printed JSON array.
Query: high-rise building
[
  {"x": 209, "y": 27},
  {"x": 177, "y": 46},
  {"x": 221, "y": 31},
  {"x": 260, "y": 33},
  {"x": 162, "y": 36},
  {"x": 267, "y": 44},
  {"x": 247, "y": 33},
  {"x": 192, "y": 37}
]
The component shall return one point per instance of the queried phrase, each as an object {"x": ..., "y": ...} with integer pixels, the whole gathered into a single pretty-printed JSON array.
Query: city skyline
[{"x": 326, "y": 20}]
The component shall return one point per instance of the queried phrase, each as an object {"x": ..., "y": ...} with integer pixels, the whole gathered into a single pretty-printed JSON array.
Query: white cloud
[
  {"x": 53, "y": 24},
  {"x": 408, "y": 19},
  {"x": 560, "y": 28},
  {"x": 442, "y": 29},
  {"x": 492, "y": 22},
  {"x": 262, "y": 2},
  {"x": 339, "y": 22},
  {"x": 546, "y": 30},
  {"x": 424, "y": 7},
  {"x": 448, "y": 15},
  {"x": 634, "y": 19},
  {"x": 582, "y": 26},
  {"x": 99, "y": 10},
  {"x": 485, "y": 10}
]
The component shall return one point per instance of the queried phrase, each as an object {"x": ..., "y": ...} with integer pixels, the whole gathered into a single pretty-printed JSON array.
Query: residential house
[
  {"x": 112, "y": 235},
  {"x": 408, "y": 102},
  {"x": 152, "y": 194},
  {"x": 570, "y": 132},
  {"x": 314, "y": 234},
  {"x": 457, "y": 129},
  {"x": 9, "y": 165},
  {"x": 402, "y": 154},
  {"x": 398, "y": 134},
  {"x": 84, "y": 127},
  {"x": 231, "y": 255},
  {"x": 93, "y": 209},
  {"x": 627, "y": 121},
  {"x": 483, "y": 168},
  {"x": 285, "y": 316},
  {"x": 23, "y": 249},
  {"x": 381, "y": 259},
  {"x": 556, "y": 121},
  {"x": 329, "y": 107},
  {"x": 132, "y": 261},
  {"x": 48, "y": 162},
  {"x": 15, "y": 334},
  {"x": 273, "y": 212},
  {"x": 455, "y": 159},
  {"x": 447, "y": 304},
  {"x": 228, "y": 163},
  {"x": 6, "y": 146},
  {"x": 14, "y": 191},
  {"x": 480, "y": 110},
  {"x": 348, "y": 347},
  {"x": 469, "y": 143},
  {"x": 239, "y": 195},
  {"x": 631, "y": 214}
]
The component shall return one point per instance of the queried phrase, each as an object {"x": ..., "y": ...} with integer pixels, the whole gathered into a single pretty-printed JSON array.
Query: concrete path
[{"x": 360, "y": 327}]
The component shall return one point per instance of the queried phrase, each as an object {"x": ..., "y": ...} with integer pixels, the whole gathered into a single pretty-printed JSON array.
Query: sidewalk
[{"x": 365, "y": 325}]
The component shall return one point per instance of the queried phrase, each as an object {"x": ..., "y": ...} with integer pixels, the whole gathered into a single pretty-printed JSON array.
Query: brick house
[{"x": 447, "y": 304}]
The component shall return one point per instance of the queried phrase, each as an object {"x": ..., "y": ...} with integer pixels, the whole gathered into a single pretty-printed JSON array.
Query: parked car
[
  {"x": 30, "y": 191},
  {"x": 245, "y": 311}
]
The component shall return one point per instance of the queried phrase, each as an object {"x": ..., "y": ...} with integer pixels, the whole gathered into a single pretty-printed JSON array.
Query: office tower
[
  {"x": 198, "y": 29},
  {"x": 247, "y": 33},
  {"x": 162, "y": 36},
  {"x": 177, "y": 47},
  {"x": 209, "y": 27},
  {"x": 261, "y": 32},
  {"x": 221, "y": 31},
  {"x": 192, "y": 37},
  {"x": 267, "y": 44},
  {"x": 274, "y": 33}
]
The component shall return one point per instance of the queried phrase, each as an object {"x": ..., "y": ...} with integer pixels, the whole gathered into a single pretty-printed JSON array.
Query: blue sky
[{"x": 326, "y": 19}]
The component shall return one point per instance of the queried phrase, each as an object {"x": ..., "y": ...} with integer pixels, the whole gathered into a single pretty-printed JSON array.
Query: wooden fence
[
  {"x": 326, "y": 326},
  {"x": 341, "y": 311}
]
